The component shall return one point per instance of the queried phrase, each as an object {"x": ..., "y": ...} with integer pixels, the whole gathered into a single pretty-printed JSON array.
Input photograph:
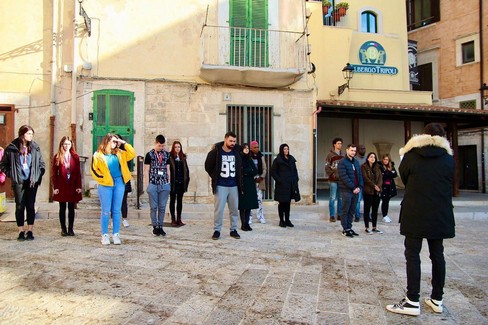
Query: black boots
[{"x": 179, "y": 222}]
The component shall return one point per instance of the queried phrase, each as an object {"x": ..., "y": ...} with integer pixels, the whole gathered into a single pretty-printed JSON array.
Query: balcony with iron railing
[{"x": 252, "y": 57}]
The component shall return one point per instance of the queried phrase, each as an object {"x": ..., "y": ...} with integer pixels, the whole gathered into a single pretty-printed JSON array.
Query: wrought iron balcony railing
[{"x": 253, "y": 48}]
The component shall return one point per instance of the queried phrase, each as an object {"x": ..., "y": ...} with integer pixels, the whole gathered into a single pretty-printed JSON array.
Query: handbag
[{"x": 296, "y": 194}]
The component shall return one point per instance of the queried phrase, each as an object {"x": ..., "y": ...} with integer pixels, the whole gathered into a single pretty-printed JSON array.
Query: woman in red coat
[{"x": 66, "y": 180}]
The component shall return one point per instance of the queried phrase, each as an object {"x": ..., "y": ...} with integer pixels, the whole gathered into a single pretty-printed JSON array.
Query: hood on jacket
[
  {"x": 427, "y": 145},
  {"x": 218, "y": 145}
]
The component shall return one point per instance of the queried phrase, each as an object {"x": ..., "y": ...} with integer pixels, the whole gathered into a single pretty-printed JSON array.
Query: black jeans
[
  {"x": 176, "y": 196},
  {"x": 371, "y": 204},
  {"x": 62, "y": 215},
  {"x": 413, "y": 246},
  {"x": 385, "y": 204},
  {"x": 124, "y": 208},
  {"x": 25, "y": 199}
]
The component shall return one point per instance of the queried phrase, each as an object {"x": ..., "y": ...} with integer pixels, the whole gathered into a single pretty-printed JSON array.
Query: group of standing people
[
  {"x": 237, "y": 176},
  {"x": 376, "y": 180}
]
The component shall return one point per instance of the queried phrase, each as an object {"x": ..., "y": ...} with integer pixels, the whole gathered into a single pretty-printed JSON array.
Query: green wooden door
[
  {"x": 113, "y": 112},
  {"x": 249, "y": 33}
]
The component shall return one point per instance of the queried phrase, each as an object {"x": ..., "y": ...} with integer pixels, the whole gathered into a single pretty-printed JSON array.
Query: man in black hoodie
[
  {"x": 427, "y": 170},
  {"x": 223, "y": 165}
]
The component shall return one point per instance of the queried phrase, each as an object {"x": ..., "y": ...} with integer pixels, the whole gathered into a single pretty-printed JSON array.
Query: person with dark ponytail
[
  {"x": 285, "y": 174},
  {"x": 23, "y": 164},
  {"x": 180, "y": 178},
  {"x": 66, "y": 181}
]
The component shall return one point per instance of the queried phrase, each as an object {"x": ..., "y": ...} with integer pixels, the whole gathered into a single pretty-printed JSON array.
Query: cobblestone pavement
[{"x": 309, "y": 274}]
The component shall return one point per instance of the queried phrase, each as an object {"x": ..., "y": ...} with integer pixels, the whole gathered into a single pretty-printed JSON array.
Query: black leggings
[
  {"x": 385, "y": 204},
  {"x": 176, "y": 195},
  {"x": 25, "y": 199},
  {"x": 284, "y": 210},
  {"x": 124, "y": 205},
  {"x": 62, "y": 215}
]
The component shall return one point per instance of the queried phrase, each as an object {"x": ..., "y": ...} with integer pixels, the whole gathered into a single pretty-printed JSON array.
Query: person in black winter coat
[
  {"x": 388, "y": 189},
  {"x": 285, "y": 174},
  {"x": 23, "y": 164},
  {"x": 248, "y": 198},
  {"x": 427, "y": 170}
]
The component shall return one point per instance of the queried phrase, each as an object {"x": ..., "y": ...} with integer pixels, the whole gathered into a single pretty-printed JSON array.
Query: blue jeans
[
  {"x": 349, "y": 201},
  {"x": 335, "y": 196},
  {"x": 158, "y": 197},
  {"x": 358, "y": 205},
  {"x": 223, "y": 195},
  {"x": 111, "y": 204}
]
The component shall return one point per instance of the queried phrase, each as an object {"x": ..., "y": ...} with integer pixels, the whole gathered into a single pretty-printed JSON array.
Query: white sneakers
[
  {"x": 405, "y": 307},
  {"x": 436, "y": 305},
  {"x": 125, "y": 223},
  {"x": 115, "y": 238},
  {"x": 105, "y": 239},
  {"x": 408, "y": 307},
  {"x": 386, "y": 219}
]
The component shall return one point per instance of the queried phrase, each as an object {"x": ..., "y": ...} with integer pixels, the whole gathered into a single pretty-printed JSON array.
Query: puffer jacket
[
  {"x": 427, "y": 170},
  {"x": 345, "y": 171}
]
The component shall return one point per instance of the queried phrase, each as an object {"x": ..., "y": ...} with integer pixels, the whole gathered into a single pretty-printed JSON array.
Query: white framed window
[{"x": 467, "y": 50}]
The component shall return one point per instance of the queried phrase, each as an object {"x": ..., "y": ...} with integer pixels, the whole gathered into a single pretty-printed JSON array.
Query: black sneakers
[
  {"x": 156, "y": 231},
  {"x": 30, "y": 236},
  {"x": 21, "y": 236},
  {"x": 347, "y": 233},
  {"x": 161, "y": 231},
  {"x": 354, "y": 233},
  {"x": 216, "y": 235},
  {"x": 234, "y": 234}
]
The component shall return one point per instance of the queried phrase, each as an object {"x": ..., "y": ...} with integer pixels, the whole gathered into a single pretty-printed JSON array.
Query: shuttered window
[{"x": 249, "y": 33}]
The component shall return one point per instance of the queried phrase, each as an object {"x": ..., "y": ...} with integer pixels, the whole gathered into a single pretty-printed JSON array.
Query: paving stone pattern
[{"x": 309, "y": 274}]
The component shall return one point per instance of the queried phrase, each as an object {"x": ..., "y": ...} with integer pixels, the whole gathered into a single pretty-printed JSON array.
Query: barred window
[{"x": 469, "y": 104}]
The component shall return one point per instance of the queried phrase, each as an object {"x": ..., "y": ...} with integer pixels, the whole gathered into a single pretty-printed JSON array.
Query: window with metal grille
[
  {"x": 469, "y": 104},
  {"x": 254, "y": 123},
  {"x": 422, "y": 13}
]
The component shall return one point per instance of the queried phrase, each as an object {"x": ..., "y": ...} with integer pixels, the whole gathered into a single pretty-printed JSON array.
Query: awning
[{"x": 464, "y": 118}]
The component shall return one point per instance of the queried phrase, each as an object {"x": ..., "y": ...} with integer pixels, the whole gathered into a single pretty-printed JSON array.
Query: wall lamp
[
  {"x": 347, "y": 73},
  {"x": 484, "y": 91}
]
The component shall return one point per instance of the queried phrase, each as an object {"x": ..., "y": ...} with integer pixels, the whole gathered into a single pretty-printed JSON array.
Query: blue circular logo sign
[{"x": 372, "y": 53}]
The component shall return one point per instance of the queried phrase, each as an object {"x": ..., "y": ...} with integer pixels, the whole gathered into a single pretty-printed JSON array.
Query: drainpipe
[
  {"x": 74, "y": 74},
  {"x": 53, "y": 89},
  {"x": 482, "y": 78},
  {"x": 314, "y": 167}
]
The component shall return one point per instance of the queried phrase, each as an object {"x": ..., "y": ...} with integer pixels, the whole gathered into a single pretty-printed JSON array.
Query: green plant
[
  {"x": 326, "y": 3},
  {"x": 344, "y": 5}
]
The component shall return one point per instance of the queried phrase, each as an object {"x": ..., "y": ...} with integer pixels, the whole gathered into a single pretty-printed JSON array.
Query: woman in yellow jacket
[{"x": 109, "y": 169}]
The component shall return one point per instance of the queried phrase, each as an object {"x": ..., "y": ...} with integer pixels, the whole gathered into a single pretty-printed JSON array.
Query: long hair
[
  {"x": 105, "y": 142},
  {"x": 58, "y": 157},
  {"x": 375, "y": 158},
  {"x": 389, "y": 160},
  {"x": 23, "y": 130},
  {"x": 173, "y": 153}
]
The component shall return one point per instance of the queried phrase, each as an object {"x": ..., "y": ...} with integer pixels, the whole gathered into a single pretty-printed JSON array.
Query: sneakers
[
  {"x": 377, "y": 231},
  {"x": 436, "y": 305},
  {"x": 405, "y": 307},
  {"x": 354, "y": 233},
  {"x": 29, "y": 236},
  {"x": 161, "y": 231},
  {"x": 369, "y": 232},
  {"x": 262, "y": 220},
  {"x": 216, "y": 235},
  {"x": 125, "y": 223},
  {"x": 234, "y": 234},
  {"x": 386, "y": 219},
  {"x": 21, "y": 236},
  {"x": 116, "y": 239},
  {"x": 347, "y": 233},
  {"x": 356, "y": 219},
  {"x": 156, "y": 231},
  {"x": 105, "y": 239},
  {"x": 332, "y": 219}
]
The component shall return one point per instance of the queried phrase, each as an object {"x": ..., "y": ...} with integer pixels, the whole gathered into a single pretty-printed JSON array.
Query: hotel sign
[{"x": 372, "y": 56}]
